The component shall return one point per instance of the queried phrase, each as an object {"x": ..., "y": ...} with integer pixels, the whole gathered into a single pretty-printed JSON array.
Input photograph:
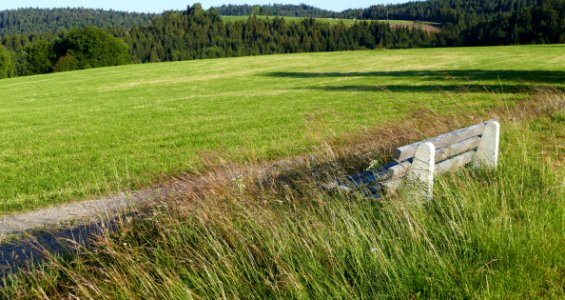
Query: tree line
[
  {"x": 36, "y": 20},
  {"x": 281, "y": 10},
  {"x": 197, "y": 33},
  {"x": 194, "y": 34}
]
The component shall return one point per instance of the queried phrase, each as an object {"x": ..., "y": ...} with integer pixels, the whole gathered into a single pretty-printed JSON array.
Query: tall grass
[{"x": 486, "y": 234}]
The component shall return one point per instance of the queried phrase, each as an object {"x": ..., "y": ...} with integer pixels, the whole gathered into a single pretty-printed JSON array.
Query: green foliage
[
  {"x": 197, "y": 33},
  {"x": 39, "y": 20},
  {"x": 281, "y": 10},
  {"x": 36, "y": 58},
  {"x": 90, "y": 47},
  {"x": 67, "y": 63},
  {"x": 7, "y": 67},
  {"x": 541, "y": 24}
]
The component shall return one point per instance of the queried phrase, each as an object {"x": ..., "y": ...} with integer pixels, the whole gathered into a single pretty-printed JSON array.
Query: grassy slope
[
  {"x": 329, "y": 20},
  {"x": 486, "y": 235},
  {"x": 73, "y": 135},
  {"x": 424, "y": 25}
]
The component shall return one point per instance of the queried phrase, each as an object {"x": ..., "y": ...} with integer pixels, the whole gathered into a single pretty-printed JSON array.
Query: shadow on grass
[
  {"x": 473, "y": 88},
  {"x": 517, "y": 76},
  {"x": 32, "y": 249}
]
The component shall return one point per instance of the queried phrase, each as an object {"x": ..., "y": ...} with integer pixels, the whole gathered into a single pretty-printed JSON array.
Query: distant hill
[
  {"x": 438, "y": 11},
  {"x": 286, "y": 10},
  {"x": 34, "y": 41},
  {"x": 441, "y": 11},
  {"x": 464, "y": 13},
  {"x": 38, "y": 20}
]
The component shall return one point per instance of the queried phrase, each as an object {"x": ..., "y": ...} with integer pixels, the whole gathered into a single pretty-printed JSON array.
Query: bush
[
  {"x": 66, "y": 63},
  {"x": 7, "y": 67},
  {"x": 90, "y": 47}
]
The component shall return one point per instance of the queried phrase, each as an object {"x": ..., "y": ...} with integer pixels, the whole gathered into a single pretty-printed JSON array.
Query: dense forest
[
  {"x": 286, "y": 10},
  {"x": 36, "y": 20},
  {"x": 441, "y": 11},
  {"x": 42, "y": 42},
  {"x": 197, "y": 33}
]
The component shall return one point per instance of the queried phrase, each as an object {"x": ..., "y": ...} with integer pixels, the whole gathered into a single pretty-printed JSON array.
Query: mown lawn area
[{"x": 69, "y": 136}]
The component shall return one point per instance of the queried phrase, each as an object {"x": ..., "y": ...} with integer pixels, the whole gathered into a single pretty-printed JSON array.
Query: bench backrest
[{"x": 419, "y": 162}]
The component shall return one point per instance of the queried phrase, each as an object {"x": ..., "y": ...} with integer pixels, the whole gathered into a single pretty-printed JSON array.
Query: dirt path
[
  {"x": 84, "y": 211},
  {"x": 107, "y": 208}
]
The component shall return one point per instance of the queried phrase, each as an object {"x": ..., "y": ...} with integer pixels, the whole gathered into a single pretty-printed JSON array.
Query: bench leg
[
  {"x": 487, "y": 153},
  {"x": 421, "y": 172}
]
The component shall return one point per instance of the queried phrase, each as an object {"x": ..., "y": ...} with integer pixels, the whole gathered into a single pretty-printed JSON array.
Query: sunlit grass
[
  {"x": 73, "y": 135},
  {"x": 487, "y": 234}
]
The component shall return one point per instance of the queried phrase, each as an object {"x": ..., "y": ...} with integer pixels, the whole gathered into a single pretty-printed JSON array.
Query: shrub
[
  {"x": 7, "y": 67},
  {"x": 91, "y": 48}
]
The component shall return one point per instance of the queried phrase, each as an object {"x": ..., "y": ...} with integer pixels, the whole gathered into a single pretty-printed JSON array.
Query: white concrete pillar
[
  {"x": 487, "y": 152},
  {"x": 421, "y": 174}
]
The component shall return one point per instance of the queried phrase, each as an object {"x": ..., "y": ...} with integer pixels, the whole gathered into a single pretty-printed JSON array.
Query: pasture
[
  {"x": 70, "y": 136},
  {"x": 429, "y": 26}
]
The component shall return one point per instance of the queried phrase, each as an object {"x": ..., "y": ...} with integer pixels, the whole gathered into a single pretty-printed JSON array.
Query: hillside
[
  {"x": 437, "y": 11},
  {"x": 281, "y": 10},
  {"x": 486, "y": 234},
  {"x": 443, "y": 11},
  {"x": 36, "y": 20},
  {"x": 196, "y": 33},
  {"x": 99, "y": 131},
  {"x": 425, "y": 26}
]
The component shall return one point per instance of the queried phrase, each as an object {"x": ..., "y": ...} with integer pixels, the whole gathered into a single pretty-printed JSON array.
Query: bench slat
[
  {"x": 457, "y": 148},
  {"x": 408, "y": 151},
  {"x": 455, "y": 163},
  {"x": 401, "y": 169}
]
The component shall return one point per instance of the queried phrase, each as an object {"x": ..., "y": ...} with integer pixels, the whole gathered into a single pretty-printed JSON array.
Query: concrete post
[
  {"x": 421, "y": 172},
  {"x": 487, "y": 152}
]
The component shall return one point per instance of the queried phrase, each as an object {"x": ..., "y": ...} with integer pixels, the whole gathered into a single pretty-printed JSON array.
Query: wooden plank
[
  {"x": 442, "y": 154},
  {"x": 457, "y": 148},
  {"x": 408, "y": 151},
  {"x": 455, "y": 163}
]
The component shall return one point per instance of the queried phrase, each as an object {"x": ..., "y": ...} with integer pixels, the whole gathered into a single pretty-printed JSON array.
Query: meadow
[
  {"x": 75, "y": 135},
  {"x": 348, "y": 22},
  {"x": 487, "y": 234}
]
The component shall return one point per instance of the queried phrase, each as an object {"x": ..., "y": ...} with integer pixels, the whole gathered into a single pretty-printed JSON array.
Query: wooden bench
[{"x": 417, "y": 164}]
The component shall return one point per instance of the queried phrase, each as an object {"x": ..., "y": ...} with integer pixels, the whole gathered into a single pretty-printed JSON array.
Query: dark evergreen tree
[
  {"x": 40, "y": 20},
  {"x": 197, "y": 33}
]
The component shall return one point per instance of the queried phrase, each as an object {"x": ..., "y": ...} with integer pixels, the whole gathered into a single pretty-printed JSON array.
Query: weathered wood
[
  {"x": 442, "y": 154},
  {"x": 421, "y": 174},
  {"x": 457, "y": 148},
  {"x": 455, "y": 162},
  {"x": 487, "y": 152},
  {"x": 408, "y": 151}
]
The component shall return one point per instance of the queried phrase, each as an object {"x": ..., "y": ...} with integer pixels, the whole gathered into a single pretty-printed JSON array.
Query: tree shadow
[
  {"x": 32, "y": 249},
  {"x": 453, "y": 88},
  {"x": 521, "y": 76}
]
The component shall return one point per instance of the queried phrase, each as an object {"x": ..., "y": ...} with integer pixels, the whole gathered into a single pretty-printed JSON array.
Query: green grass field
[
  {"x": 347, "y": 22},
  {"x": 69, "y": 136}
]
